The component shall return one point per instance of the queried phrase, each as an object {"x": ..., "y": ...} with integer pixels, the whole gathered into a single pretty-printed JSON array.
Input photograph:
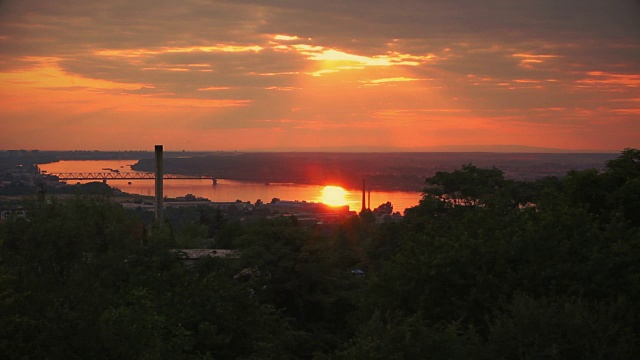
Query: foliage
[
  {"x": 76, "y": 281},
  {"x": 551, "y": 277},
  {"x": 484, "y": 267},
  {"x": 384, "y": 209}
]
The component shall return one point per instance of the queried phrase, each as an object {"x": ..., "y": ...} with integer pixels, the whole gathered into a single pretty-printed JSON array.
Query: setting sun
[{"x": 334, "y": 196}]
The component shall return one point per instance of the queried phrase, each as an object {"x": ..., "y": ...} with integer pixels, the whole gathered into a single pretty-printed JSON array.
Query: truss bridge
[{"x": 104, "y": 176}]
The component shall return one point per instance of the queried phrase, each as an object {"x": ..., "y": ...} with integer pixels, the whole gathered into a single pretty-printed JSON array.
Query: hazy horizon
[{"x": 356, "y": 149}]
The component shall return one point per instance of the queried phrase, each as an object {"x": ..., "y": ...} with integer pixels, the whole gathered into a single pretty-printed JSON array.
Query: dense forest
[{"x": 485, "y": 267}]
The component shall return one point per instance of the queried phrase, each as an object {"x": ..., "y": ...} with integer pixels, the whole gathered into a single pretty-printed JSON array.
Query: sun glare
[{"x": 334, "y": 196}]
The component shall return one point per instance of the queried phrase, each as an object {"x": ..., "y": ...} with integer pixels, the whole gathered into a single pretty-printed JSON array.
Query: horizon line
[{"x": 359, "y": 149}]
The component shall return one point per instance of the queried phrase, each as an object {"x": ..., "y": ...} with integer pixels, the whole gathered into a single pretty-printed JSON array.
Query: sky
[{"x": 312, "y": 75}]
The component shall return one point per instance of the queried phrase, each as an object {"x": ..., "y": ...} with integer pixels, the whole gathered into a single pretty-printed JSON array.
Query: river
[{"x": 230, "y": 190}]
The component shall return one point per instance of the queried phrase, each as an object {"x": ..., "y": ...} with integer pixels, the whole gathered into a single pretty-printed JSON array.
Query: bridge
[{"x": 104, "y": 176}]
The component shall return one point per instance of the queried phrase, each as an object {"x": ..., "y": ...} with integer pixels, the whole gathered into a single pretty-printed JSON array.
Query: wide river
[{"x": 230, "y": 190}]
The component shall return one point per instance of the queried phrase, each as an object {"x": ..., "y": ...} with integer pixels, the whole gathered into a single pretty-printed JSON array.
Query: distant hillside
[
  {"x": 504, "y": 149},
  {"x": 444, "y": 148},
  {"x": 383, "y": 171}
]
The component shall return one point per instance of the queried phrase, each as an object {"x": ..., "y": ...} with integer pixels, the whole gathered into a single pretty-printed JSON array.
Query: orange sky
[{"x": 310, "y": 75}]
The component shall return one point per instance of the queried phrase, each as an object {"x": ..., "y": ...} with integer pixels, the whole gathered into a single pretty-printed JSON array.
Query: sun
[{"x": 334, "y": 196}]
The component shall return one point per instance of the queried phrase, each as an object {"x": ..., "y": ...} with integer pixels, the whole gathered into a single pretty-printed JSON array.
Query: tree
[
  {"x": 510, "y": 281},
  {"x": 384, "y": 209},
  {"x": 469, "y": 186},
  {"x": 75, "y": 281}
]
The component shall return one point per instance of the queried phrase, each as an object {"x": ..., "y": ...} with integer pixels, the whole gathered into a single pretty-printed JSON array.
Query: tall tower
[
  {"x": 364, "y": 204},
  {"x": 159, "y": 189}
]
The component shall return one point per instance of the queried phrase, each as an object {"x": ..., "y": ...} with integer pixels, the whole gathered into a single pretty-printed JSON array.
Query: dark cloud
[{"x": 74, "y": 28}]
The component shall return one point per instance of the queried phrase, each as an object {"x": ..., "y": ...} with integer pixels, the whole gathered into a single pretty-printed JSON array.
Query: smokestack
[
  {"x": 369, "y": 198},
  {"x": 364, "y": 204},
  {"x": 159, "y": 196}
]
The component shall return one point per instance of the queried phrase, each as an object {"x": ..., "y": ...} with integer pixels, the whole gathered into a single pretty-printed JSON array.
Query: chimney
[
  {"x": 364, "y": 204},
  {"x": 159, "y": 195}
]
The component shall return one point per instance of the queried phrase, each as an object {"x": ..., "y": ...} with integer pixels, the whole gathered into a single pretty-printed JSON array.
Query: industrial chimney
[
  {"x": 159, "y": 190},
  {"x": 364, "y": 204}
]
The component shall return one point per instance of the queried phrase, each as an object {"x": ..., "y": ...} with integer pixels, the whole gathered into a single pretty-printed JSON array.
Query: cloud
[{"x": 305, "y": 64}]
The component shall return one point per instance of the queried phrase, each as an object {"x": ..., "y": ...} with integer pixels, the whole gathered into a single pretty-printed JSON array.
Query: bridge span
[{"x": 104, "y": 176}]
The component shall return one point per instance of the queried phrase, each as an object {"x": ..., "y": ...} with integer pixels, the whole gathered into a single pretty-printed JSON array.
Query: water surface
[{"x": 229, "y": 190}]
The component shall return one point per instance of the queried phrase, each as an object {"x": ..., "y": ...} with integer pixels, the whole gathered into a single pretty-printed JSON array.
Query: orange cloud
[
  {"x": 134, "y": 53},
  {"x": 46, "y": 73},
  {"x": 601, "y": 77},
  {"x": 236, "y": 74},
  {"x": 530, "y": 60}
]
